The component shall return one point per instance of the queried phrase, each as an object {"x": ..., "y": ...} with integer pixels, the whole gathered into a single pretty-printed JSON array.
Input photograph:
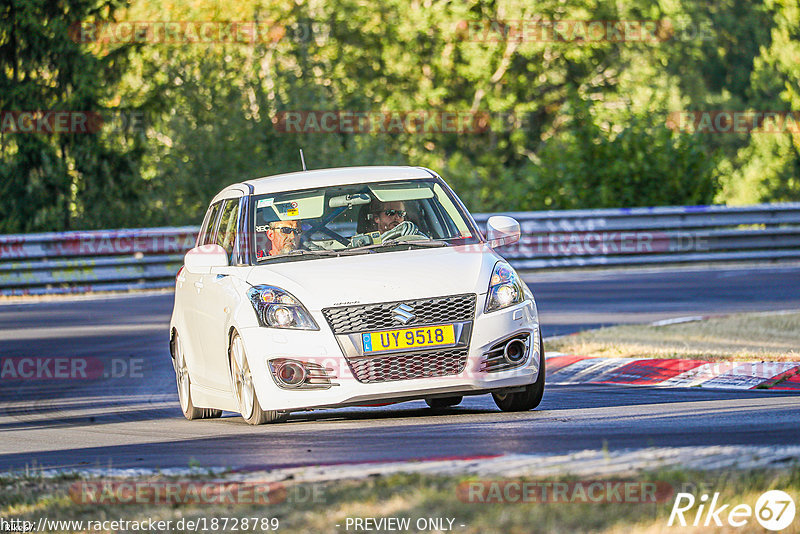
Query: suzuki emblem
[{"x": 403, "y": 314}]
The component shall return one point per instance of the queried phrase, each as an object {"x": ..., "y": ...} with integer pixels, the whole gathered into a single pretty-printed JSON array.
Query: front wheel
[
  {"x": 244, "y": 390},
  {"x": 529, "y": 398},
  {"x": 190, "y": 411}
]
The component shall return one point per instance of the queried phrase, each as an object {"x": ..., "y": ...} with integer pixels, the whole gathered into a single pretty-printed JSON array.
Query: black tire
[
  {"x": 243, "y": 389},
  {"x": 529, "y": 398},
  {"x": 190, "y": 411},
  {"x": 439, "y": 403}
]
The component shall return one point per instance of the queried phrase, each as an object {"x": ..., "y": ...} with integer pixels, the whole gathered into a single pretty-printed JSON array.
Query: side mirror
[
  {"x": 502, "y": 230},
  {"x": 200, "y": 260}
]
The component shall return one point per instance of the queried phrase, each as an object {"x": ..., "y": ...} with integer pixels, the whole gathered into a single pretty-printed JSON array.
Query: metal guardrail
[
  {"x": 647, "y": 236},
  {"x": 72, "y": 262},
  {"x": 76, "y": 262}
]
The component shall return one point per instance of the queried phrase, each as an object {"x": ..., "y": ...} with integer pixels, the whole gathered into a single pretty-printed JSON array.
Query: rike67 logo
[{"x": 774, "y": 510}]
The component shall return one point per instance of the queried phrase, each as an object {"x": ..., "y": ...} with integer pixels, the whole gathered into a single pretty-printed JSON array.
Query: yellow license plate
[{"x": 409, "y": 338}]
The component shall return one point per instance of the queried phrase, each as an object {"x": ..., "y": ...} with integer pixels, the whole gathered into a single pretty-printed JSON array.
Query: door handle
[{"x": 198, "y": 285}]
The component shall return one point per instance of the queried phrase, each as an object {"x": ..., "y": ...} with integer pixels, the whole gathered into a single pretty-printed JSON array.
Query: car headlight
[
  {"x": 505, "y": 288},
  {"x": 277, "y": 308}
]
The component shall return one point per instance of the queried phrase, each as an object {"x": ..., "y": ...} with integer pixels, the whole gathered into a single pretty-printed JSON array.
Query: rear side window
[
  {"x": 208, "y": 229},
  {"x": 226, "y": 233}
]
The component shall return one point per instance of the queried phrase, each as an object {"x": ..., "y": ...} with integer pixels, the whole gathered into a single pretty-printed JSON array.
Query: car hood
[{"x": 381, "y": 277}]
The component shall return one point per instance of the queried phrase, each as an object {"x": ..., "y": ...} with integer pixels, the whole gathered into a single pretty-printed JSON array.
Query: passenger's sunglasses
[
  {"x": 289, "y": 230},
  {"x": 392, "y": 213}
]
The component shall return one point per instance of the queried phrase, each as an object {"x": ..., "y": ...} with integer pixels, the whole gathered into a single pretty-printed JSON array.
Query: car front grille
[
  {"x": 410, "y": 365},
  {"x": 370, "y": 317}
]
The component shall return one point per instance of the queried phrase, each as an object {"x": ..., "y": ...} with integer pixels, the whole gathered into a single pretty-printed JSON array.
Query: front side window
[
  {"x": 207, "y": 236},
  {"x": 226, "y": 232},
  {"x": 358, "y": 218}
]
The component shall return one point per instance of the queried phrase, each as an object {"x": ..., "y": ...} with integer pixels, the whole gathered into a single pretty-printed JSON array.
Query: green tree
[
  {"x": 768, "y": 168},
  {"x": 62, "y": 180},
  {"x": 586, "y": 121}
]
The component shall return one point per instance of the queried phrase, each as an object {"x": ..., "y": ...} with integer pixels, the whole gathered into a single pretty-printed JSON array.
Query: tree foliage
[
  {"x": 574, "y": 124},
  {"x": 60, "y": 180}
]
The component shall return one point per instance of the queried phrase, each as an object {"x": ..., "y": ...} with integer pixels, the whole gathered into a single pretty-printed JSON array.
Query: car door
[
  {"x": 217, "y": 299},
  {"x": 189, "y": 292}
]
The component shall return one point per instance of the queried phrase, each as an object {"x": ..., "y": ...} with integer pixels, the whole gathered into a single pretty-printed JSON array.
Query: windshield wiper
[
  {"x": 302, "y": 252},
  {"x": 426, "y": 243}
]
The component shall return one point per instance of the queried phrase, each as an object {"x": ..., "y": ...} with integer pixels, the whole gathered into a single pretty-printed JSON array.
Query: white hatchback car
[{"x": 350, "y": 286}]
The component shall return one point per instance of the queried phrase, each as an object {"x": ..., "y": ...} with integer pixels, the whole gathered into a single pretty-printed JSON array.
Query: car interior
[{"x": 335, "y": 218}]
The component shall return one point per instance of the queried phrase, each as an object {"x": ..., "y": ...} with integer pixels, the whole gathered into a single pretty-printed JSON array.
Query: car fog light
[
  {"x": 514, "y": 351},
  {"x": 291, "y": 374}
]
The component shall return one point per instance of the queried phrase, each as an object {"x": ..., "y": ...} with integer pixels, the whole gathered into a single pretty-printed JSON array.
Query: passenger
[
  {"x": 389, "y": 218},
  {"x": 386, "y": 215}
]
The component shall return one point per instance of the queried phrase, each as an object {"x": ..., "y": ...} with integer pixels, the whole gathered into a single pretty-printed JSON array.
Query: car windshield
[{"x": 358, "y": 218}]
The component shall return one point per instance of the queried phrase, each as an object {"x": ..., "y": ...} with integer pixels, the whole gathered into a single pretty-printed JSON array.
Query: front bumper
[{"x": 321, "y": 348}]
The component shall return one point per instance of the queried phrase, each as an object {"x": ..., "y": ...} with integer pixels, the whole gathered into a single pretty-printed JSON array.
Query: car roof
[
  {"x": 336, "y": 176},
  {"x": 322, "y": 178}
]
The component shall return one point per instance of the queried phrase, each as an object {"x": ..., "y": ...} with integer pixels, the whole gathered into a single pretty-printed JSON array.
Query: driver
[{"x": 284, "y": 236}]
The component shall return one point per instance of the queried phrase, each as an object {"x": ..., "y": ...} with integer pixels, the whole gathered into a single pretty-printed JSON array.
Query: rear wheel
[
  {"x": 530, "y": 397},
  {"x": 443, "y": 402},
  {"x": 244, "y": 390},
  {"x": 184, "y": 386}
]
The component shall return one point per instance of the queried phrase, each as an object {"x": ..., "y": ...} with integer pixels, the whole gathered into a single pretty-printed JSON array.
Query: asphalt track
[{"x": 133, "y": 420}]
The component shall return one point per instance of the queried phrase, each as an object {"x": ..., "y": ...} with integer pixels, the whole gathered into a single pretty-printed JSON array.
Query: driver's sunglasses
[
  {"x": 392, "y": 213},
  {"x": 289, "y": 230}
]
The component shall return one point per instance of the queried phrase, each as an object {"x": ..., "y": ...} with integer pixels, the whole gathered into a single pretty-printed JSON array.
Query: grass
[
  {"x": 421, "y": 496},
  {"x": 737, "y": 337}
]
